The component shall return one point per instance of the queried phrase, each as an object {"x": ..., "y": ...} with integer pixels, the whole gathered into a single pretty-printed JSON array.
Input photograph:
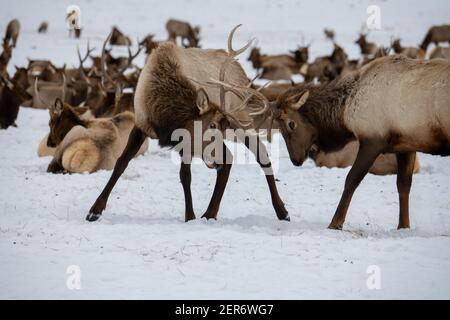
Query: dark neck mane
[{"x": 324, "y": 110}]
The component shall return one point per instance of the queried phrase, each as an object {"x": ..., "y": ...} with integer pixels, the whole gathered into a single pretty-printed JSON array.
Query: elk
[
  {"x": 440, "y": 53},
  {"x": 149, "y": 44},
  {"x": 177, "y": 28},
  {"x": 367, "y": 48},
  {"x": 392, "y": 105},
  {"x": 170, "y": 95},
  {"x": 411, "y": 52},
  {"x": 12, "y": 95},
  {"x": 329, "y": 34},
  {"x": 87, "y": 145},
  {"x": 12, "y": 32},
  {"x": 385, "y": 164},
  {"x": 73, "y": 20},
  {"x": 435, "y": 35},
  {"x": 43, "y": 27},
  {"x": 118, "y": 38},
  {"x": 4, "y": 58}
]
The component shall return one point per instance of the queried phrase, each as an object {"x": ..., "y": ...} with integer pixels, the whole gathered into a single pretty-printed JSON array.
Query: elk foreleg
[
  {"x": 223, "y": 172},
  {"x": 135, "y": 140},
  {"x": 264, "y": 161},
  {"x": 368, "y": 151},
  {"x": 405, "y": 163},
  {"x": 185, "y": 178}
]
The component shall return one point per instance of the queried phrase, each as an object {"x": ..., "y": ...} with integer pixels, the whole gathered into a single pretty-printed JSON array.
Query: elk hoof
[
  {"x": 208, "y": 216},
  {"x": 335, "y": 227},
  {"x": 286, "y": 218},
  {"x": 91, "y": 217}
]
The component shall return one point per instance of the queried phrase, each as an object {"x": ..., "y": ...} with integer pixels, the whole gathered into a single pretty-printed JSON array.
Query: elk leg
[
  {"x": 367, "y": 154},
  {"x": 55, "y": 167},
  {"x": 135, "y": 140},
  {"x": 264, "y": 161},
  {"x": 405, "y": 163},
  {"x": 223, "y": 172},
  {"x": 185, "y": 178}
]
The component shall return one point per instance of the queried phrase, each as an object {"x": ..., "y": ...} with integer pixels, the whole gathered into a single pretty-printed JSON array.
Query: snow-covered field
[{"x": 141, "y": 248}]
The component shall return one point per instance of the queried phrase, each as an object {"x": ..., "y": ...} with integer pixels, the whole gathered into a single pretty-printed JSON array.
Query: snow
[{"x": 141, "y": 248}]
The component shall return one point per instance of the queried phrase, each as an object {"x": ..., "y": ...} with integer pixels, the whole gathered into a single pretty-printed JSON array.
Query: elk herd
[{"x": 373, "y": 114}]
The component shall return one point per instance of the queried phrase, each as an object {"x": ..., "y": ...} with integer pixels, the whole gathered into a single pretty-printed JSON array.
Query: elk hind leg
[{"x": 406, "y": 162}]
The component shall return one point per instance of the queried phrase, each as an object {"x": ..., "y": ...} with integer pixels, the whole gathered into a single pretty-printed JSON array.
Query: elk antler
[
  {"x": 104, "y": 73},
  {"x": 36, "y": 91},
  {"x": 130, "y": 59}
]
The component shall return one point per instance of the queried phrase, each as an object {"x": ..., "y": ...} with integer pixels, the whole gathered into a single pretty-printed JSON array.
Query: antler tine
[
  {"x": 36, "y": 91},
  {"x": 102, "y": 60},
  {"x": 233, "y": 52}
]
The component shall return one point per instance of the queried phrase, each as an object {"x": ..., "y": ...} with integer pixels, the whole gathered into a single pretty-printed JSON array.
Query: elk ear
[
  {"x": 202, "y": 101},
  {"x": 301, "y": 101},
  {"x": 58, "y": 108}
]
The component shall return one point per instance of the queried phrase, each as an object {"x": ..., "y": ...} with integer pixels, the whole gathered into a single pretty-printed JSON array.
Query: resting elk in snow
[
  {"x": 435, "y": 35},
  {"x": 174, "y": 90},
  {"x": 185, "y": 31},
  {"x": 411, "y": 52},
  {"x": 392, "y": 105}
]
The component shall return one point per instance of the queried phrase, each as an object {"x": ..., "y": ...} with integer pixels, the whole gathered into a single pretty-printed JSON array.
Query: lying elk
[
  {"x": 385, "y": 164},
  {"x": 440, "y": 53},
  {"x": 43, "y": 27},
  {"x": 87, "y": 145},
  {"x": 12, "y": 32},
  {"x": 177, "y": 28},
  {"x": 118, "y": 38},
  {"x": 435, "y": 35},
  {"x": 12, "y": 95},
  {"x": 410, "y": 52},
  {"x": 169, "y": 96},
  {"x": 392, "y": 105}
]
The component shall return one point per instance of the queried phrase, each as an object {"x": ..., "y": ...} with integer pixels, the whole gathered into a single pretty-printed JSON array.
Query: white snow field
[{"x": 142, "y": 249}]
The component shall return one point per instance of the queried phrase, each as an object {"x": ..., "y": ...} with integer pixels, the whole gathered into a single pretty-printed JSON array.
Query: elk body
[
  {"x": 177, "y": 28},
  {"x": 392, "y": 105},
  {"x": 170, "y": 96},
  {"x": 410, "y": 52},
  {"x": 385, "y": 164},
  {"x": 435, "y": 35},
  {"x": 367, "y": 48},
  {"x": 12, "y": 32},
  {"x": 87, "y": 145}
]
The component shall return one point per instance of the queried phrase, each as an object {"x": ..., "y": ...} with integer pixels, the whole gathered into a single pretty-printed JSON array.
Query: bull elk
[
  {"x": 435, "y": 35},
  {"x": 170, "y": 96},
  {"x": 12, "y": 32},
  {"x": 176, "y": 28},
  {"x": 392, "y": 105}
]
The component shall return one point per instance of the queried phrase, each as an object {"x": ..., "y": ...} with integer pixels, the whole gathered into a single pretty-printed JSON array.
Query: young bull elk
[
  {"x": 392, "y": 105},
  {"x": 169, "y": 96}
]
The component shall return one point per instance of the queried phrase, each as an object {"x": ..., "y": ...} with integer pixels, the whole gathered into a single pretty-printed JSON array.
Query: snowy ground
[{"x": 142, "y": 248}]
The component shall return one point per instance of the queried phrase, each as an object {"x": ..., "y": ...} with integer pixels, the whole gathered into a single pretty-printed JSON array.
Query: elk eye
[
  {"x": 212, "y": 125},
  {"x": 291, "y": 125}
]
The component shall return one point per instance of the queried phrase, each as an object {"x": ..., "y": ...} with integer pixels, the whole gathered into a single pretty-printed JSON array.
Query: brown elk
[
  {"x": 410, "y": 52},
  {"x": 367, "y": 48},
  {"x": 329, "y": 34},
  {"x": 169, "y": 96},
  {"x": 392, "y": 105},
  {"x": 4, "y": 58},
  {"x": 177, "y": 28},
  {"x": 12, "y": 32},
  {"x": 87, "y": 145},
  {"x": 43, "y": 27},
  {"x": 118, "y": 38},
  {"x": 435, "y": 35},
  {"x": 12, "y": 95},
  {"x": 385, "y": 164},
  {"x": 149, "y": 44}
]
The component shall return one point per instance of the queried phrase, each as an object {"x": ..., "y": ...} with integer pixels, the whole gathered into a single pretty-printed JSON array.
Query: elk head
[{"x": 301, "y": 55}]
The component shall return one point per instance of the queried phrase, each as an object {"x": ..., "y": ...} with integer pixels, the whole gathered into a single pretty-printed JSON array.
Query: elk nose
[{"x": 296, "y": 163}]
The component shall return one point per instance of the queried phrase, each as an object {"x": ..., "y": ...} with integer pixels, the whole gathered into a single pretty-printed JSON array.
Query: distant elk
[
  {"x": 392, "y": 105},
  {"x": 174, "y": 90},
  {"x": 367, "y": 48},
  {"x": 119, "y": 38},
  {"x": 43, "y": 27},
  {"x": 410, "y": 52},
  {"x": 435, "y": 35},
  {"x": 12, "y": 32},
  {"x": 73, "y": 19},
  {"x": 12, "y": 95},
  {"x": 177, "y": 28}
]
